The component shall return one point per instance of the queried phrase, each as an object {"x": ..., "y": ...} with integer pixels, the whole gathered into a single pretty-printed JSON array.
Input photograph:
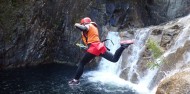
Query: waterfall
[
  {"x": 137, "y": 48},
  {"x": 108, "y": 72},
  {"x": 107, "y": 69},
  {"x": 181, "y": 39},
  {"x": 141, "y": 36},
  {"x": 105, "y": 65}
]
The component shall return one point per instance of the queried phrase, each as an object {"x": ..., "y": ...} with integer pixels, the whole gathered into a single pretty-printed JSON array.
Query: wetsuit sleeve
[{"x": 82, "y": 27}]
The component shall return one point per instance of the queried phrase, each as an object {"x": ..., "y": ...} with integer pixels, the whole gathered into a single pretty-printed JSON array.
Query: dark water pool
[{"x": 51, "y": 79}]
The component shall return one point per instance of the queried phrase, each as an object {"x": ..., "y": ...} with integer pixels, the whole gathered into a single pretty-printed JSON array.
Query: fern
[{"x": 156, "y": 52}]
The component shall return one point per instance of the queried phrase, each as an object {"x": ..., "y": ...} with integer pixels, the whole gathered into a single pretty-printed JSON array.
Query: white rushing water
[
  {"x": 105, "y": 65},
  {"x": 180, "y": 41},
  {"x": 183, "y": 36},
  {"x": 107, "y": 69},
  {"x": 108, "y": 72},
  {"x": 137, "y": 48}
]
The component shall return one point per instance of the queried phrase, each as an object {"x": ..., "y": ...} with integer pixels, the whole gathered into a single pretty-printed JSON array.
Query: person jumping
[{"x": 90, "y": 37}]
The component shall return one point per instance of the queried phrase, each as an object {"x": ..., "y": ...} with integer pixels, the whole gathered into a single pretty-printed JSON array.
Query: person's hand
[
  {"x": 82, "y": 46},
  {"x": 76, "y": 24}
]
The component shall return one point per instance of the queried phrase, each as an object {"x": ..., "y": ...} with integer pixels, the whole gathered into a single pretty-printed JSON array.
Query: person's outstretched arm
[{"x": 82, "y": 27}]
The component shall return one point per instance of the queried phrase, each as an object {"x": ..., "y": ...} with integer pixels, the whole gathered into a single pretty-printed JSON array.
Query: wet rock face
[
  {"x": 42, "y": 31},
  {"x": 32, "y": 30},
  {"x": 126, "y": 13},
  {"x": 164, "y": 10},
  {"x": 169, "y": 35},
  {"x": 178, "y": 83},
  {"x": 37, "y": 31}
]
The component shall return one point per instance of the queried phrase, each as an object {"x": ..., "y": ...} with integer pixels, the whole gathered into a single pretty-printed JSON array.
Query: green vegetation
[
  {"x": 156, "y": 53},
  {"x": 154, "y": 48}
]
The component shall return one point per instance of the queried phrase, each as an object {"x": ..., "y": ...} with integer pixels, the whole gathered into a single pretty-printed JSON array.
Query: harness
[
  {"x": 86, "y": 38},
  {"x": 107, "y": 40}
]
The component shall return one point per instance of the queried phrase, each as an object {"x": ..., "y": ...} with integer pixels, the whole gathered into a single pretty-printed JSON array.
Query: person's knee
[{"x": 114, "y": 61}]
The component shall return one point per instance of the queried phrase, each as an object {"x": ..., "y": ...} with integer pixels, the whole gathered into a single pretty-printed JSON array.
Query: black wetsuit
[{"x": 88, "y": 57}]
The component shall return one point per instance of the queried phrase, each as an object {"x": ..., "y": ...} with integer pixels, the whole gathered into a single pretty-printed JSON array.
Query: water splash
[
  {"x": 105, "y": 65},
  {"x": 108, "y": 72},
  {"x": 107, "y": 69}
]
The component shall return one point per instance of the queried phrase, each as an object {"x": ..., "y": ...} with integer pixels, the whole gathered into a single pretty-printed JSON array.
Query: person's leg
[
  {"x": 113, "y": 58},
  {"x": 86, "y": 59}
]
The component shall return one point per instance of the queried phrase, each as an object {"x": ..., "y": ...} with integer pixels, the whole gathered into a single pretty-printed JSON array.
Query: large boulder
[{"x": 179, "y": 83}]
